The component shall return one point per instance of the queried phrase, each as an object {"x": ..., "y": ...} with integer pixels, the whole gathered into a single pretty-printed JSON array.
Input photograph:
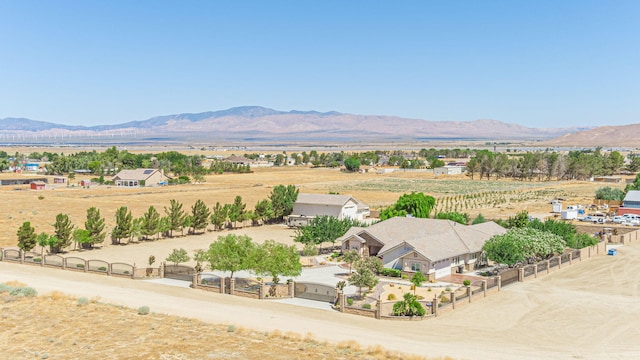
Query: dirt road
[{"x": 588, "y": 311}]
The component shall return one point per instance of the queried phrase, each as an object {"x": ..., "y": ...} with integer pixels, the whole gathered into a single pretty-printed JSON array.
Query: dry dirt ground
[{"x": 585, "y": 311}]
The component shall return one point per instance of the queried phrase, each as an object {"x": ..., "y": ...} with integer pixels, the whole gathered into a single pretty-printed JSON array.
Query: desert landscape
[{"x": 535, "y": 315}]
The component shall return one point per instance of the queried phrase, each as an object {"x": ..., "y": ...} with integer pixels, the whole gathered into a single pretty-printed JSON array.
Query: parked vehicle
[{"x": 619, "y": 219}]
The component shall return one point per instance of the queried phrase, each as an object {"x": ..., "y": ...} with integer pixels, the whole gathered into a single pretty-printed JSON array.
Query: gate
[
  {"x": 315, "y": 291},
  {"x": 179, "y": 272}
]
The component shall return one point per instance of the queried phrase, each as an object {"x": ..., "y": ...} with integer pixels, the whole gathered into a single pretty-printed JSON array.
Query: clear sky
[{"x": 537, "y": 63}]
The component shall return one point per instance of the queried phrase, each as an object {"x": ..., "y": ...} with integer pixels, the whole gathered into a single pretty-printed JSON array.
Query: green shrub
[
  {"x": 83, "y": 301},
  {"x": 80, "y": 266},
  {"x": 366, "y": 306},
  {"x": 24, "y": 292},
  {"x": 447, "y": 289},
  {"x": 309, "y": 250},
  {"x": 392, "y": 297},
  {"x": 466, "y": 282},
  {"x": 390, "y": 272},
  {"x": 102, "y": 268},
  {"x": 143, "y": 310},
  {"x": 126, "y": 272},
  {"x": 37, "y": 259},
  {"x": 5, "y": 288},
  {"x": 231, "y": 328},
  {"x": 349, "y": 301},
  {"x": 405, "y": 277}
]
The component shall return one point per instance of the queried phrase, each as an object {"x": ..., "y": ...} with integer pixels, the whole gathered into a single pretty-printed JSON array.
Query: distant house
[
  {"x": 309, "y": 206},
  {"x": 38, "y": 185},
  {"x": 449, "y": 170},
  {"x": 34, "y": 167},
  {"x": 631, "y": 203},
  {"x": 238, "y": 160},
  {"x": 140, "y": 177},
  {"x": 59, "y": 180},
  {"x": 433, "y": 247},
  {"x": 85, "y": 183}
]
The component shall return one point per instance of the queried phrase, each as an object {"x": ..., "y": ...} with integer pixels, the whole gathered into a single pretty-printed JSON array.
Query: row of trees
[
  {"x": 151, "y": 224},
  {"x": 64, "y": 233},
  {"x": 547, "y": 165}
]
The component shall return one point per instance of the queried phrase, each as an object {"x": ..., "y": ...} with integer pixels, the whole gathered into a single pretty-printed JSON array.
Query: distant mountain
[
  {"x": 610, "y": 136},
  {"x": 262, "y": 124}
]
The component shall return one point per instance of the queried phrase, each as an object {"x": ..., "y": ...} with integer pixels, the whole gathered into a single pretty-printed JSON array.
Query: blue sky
[{"x": 536, "y": 63}]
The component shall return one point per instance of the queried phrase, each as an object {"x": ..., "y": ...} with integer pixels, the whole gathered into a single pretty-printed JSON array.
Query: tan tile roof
[
  {"x": 137, "y": 174},
  {"x": 433, "y": 239}
]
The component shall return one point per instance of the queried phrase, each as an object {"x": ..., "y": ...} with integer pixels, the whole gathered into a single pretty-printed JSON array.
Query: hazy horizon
[{"x": 542, "y": 64}]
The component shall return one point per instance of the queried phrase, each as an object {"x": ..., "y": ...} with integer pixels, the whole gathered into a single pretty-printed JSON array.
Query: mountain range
[{"x": 255, "y": 123}]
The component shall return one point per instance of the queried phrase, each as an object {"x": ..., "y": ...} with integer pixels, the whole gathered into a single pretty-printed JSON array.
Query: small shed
[
  {"x": 84, "y": 183},
  {"x": 38, "y": 185},
  {"x": 59, "y": 180}
]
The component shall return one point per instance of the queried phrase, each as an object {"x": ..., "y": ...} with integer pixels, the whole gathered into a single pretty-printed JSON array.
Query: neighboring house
[
  {"x": 59, "y": 180},
  {"x": 38, "y": 185},
  {"x": 308, "y": 206},
  {"x": 239, "y": 160},
  {"x": 631, "y": 203},
  {"x": 431, "y": 246},
  {"x": 140, "y": 177},
  {"x": 34, "y": 167},
  {"x": 449, "y": 170}
]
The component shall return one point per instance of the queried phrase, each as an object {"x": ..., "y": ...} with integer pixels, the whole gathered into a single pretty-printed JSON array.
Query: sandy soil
[{"x": 586, "y": 311}]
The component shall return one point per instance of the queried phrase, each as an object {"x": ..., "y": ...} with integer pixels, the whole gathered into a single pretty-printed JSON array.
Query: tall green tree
[
  {"x": 352, "y": 164},
  {"x": 200, "y": 216},
  {"x": 237, "y": 210},
  {"x": 461, "y": 218},
  {"x": 178, "y": 256},
  {"x": 275, "y": 259},
  {"x": 63, "y": 229},
  {"x": 124, "y": 225},
  {"x": 150, "y": 222},
  {"x": 323, "y": 229},
  {"x": 219, "y": 215},
  {"x": 26, "y": 236},
  {"x": 282, "y": 199},
  {"x": 415, "y": 204},
  {"x": 231, "y": 253},
  {"x": 95, "y": 226},
  {"x": 263, "y": 210},
  {"x": 176, "y": 216}
]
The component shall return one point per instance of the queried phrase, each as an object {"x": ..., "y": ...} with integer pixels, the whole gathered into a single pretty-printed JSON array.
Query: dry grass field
[
  {"x": 73, "y": 328},
  {"x": 20, "y": 204}
]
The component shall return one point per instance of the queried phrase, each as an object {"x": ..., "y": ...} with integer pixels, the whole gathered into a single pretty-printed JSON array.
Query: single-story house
[
  {"x": 309, "y": 206},
  {"x": 433, "y": 247},
  {"x": 238, "y": 160},
  {"x": 59, "y": 180},
  {"x": 31, "y": 167},
  {"x": 140, "y": 177},
  {"x": 449, "y": 170},
  {"x": 38, "y": 185},
  {"x": 631, "y": 203}
]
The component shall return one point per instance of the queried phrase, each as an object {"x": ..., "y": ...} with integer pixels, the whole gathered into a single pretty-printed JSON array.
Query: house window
[{"x": 416, "y": 266}]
